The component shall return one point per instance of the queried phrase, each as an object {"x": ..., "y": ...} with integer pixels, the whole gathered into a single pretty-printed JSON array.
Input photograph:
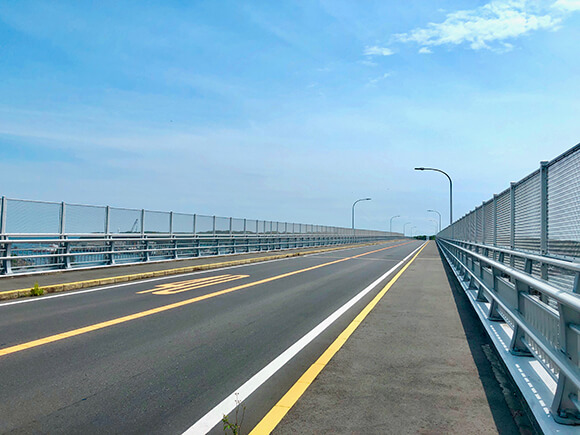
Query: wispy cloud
[
  {"x": 378, "y": 79},
  {"x": 568, "y": 5},
  {"x": 425, "y": 50},
  {"x": 369, "y": 63},
  {"x": 375, "y": 50},
  {"x": 487, "y": 27}
]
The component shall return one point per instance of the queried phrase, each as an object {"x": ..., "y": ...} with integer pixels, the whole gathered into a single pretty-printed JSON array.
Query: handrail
[
  {"x": 564, "y": 264},
  {"x": 512, "y": 297},
  {"x": 535, "y": 283}
]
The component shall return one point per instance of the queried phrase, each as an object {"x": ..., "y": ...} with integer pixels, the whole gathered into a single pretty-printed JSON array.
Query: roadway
[{"x": 158, "y": 355}]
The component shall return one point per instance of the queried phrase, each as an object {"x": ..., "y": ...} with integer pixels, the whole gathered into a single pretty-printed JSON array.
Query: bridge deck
[{"x": 420, "y": 363}]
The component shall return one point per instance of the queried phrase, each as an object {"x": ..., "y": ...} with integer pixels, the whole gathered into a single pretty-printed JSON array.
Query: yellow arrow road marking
[
  {"x": 182, "y": 286},
  {"x": 97, "y": 326}
]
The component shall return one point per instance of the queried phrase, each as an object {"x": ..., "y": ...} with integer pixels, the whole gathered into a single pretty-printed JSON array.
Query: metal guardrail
[
  {"x": 40, "y": 236},
  {"x": 520, "y": 251},
  {"x": 551, "y": 335}
]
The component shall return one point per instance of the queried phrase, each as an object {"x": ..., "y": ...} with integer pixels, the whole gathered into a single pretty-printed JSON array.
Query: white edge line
[
  {"x": 168, "y": 277},
  {"x": 213, "y": 417}
]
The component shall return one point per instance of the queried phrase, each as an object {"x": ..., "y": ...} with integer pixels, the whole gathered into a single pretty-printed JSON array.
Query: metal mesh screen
[
  {"x": 203, "y": 224},
  {"x": 222, "y": 225},
  {"x": 85, "y": 219},
  {"x": 251, "y": 226},
  {"x": 528, "y": 214},
  {"x": 479, "y": 225},
  {"x": 32, "y": 217},
  {"x": 472, "y": 226},
  {"x": 182, "y": 223},
  {"x": 261, "y": 227},
  {"x": 237, "y": 226},
  {"x": 564, "y": 206},
  {"x": 488, "y": 223},
  {"x": 503, "y": 219},
  {"x": 157, "y": 222},
  {"x": 123, "y": 220}
]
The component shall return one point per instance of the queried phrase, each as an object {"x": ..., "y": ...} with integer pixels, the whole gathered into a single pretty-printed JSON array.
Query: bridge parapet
[{"x": 40, "y": 236}]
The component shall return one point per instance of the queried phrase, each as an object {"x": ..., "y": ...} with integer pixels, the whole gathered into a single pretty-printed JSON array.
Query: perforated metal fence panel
[{"x": 564, "y": 206}]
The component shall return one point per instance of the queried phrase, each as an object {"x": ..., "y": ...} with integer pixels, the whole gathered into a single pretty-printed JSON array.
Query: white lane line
[
  {"x": 213, "y": 417},
  {"x": 163, "y": 278}
]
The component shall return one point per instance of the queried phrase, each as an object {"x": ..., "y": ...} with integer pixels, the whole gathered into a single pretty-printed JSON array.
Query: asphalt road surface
[{"x": 157, "y": 356}]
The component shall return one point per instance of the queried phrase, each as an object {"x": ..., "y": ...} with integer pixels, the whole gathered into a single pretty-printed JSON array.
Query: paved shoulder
[{"x": 408, "y": 368}]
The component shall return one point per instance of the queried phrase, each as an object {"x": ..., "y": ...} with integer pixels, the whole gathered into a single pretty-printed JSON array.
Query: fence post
[
  {"x": 110, "y": 243},
  {"x": 544, "y": 216},
  {"x": 107, "y": 220},
  {"x": 495, "y": 219},
  {"x": 62, "y": 218},
  {"x": 6, "y": 248},
  {"x": 214, "y": 226},
  {"x": 3, "y": 216},
  {"x": 483, "y": 225},
  {"x": 142, "y": 222},
  {"x": 171, "y": 223},
  {"x": 65, "y": 246},
  {"x": 512, "y": 220},
  {"x": 144, "y": 241},
  {"x": 194, "y": 223}
]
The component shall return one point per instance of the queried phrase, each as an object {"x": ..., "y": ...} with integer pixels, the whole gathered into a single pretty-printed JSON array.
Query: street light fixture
[
  {"x": 450, "y": 189},
  {"x": 391, "y": 225},
  {"x": 358, "y": 200},
  {"x": 405, "y": 227},
  {"x": 435, "y": 211}
]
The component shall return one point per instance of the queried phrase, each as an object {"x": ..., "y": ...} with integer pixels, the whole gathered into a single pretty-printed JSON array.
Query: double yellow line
[{"x": 108, "y": 323}]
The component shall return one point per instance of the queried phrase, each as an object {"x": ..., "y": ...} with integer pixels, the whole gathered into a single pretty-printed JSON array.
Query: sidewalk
[{"x": 419, "y": 363}]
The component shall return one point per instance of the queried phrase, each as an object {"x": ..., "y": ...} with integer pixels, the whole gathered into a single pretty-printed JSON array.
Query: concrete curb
[{"x": 57, "y": 288}]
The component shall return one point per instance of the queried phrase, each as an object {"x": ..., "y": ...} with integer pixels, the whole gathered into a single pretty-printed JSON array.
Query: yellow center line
[
  {"x": 275, "y": 415},
  {"x": 101, "y": 325}
]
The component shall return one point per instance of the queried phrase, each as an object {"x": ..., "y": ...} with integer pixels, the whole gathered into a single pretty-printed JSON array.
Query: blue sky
[{"x": 287, "y": 110}]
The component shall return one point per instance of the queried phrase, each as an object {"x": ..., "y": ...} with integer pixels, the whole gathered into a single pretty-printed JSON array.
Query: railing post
[
  {"x": 512, "y": 220},
  {"x": 213, "y": 231},
  {"x": 171, "y": 223},
  {"x": 564, "y": 409}
]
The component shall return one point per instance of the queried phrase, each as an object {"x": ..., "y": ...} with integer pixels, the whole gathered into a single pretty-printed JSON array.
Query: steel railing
[
  {"x": 40, "y": 236},
  {"x": 550, "y": 334},
  {"x": 520, "y": 253}
]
